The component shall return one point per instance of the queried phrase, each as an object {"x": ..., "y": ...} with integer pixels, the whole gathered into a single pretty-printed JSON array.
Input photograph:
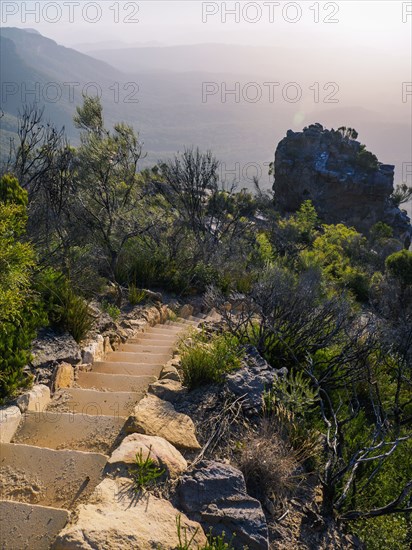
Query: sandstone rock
[
  {"x": 63, "y": 376},
  {"x": 107, "y": 347},
  {"x": 170, "y": 372},
  {"x": 186, "y": 311},
  {"x": 161, "y": 451},
  {"x": 164, "y": 313},
  {"x": 252, "y": 380},
  {"x": 322, "y": 166},
  {"x": 153, "y": 416},
  {"x": 115, "y": 520},
  {"x": 36, "y": 399},
  {"x": 167, "y": 389},
  {"x": 215, "y": 495},
  {"x": 94, "y": 350},
  {"x": 152, "y": 316},
  {"x": 9, "y": 422},
  {"x": 51, "y": 348}
]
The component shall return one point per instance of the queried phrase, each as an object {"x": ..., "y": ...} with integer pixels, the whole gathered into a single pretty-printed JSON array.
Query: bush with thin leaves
[{"x": 206, "y": 362}]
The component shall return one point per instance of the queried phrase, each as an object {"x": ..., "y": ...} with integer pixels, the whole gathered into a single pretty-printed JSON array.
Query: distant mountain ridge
[{"x": 168, "y": 107}]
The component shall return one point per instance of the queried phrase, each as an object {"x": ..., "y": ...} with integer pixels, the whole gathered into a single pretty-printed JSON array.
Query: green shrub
[
  {"x": 145, "y": 472},
  {"x": 206, "y": 362},
  {"x": 358, "y": 282},
  {"x": 65, "y": 309},
  {"x": 289, "y": 405},
  {"x": 111, "y": 310},
  {"x": 20, "y": 309},
  {"x": 136, "y": 295},
  {"x": 399, "y": 264}
]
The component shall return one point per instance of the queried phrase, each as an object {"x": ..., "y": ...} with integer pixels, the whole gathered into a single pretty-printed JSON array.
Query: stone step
[
  {"x": 199, "y": 317},
  {"x": 37, "y": 475},
  {"x": 164, "y": 330},
  {"x": 93, "y": 402},
  {"x": 130, "y": 357},
  {"x": 29, "y": 526},
  {"x": 153, "y": 339},
  {"x": 147, "y": 348},
  {"x": 131, "y": 369},
  {"x": 181, "y": 323},
  {"x": 114, "y": 382},
  {"x": 81, "y": 432}
]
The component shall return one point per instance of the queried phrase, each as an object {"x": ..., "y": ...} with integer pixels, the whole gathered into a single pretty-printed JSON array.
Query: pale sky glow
[{"x": 377, "y": 24}]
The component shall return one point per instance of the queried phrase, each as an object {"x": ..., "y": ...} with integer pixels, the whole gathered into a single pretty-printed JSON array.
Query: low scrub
[
  {"x": 268, "y": 464},
  {"x": 207, "y": 361},
  {"x": 65, "y": 309}
]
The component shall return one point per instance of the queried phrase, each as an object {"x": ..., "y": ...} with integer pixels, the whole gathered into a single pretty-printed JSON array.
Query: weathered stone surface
[
  {"x": 167, "y": 389},
  {"x": 63, "y": 376},
  {"x": 161, "y": 451},
  {"x": 186, "y": 311},
  {"x": 29, "y": 526},
  {"x": 107, "y": 347},
  {"x": 36, "y": 399},
  {"x": 169, "y": 371},
  {"x": 9, "y": 422},
  {"x": 152, "y": 316},
  {"x": 94, "y": 350},
  {"x": 322, "y": 166},
  {"x": 215, "y": 495},
  {"x": 252, "y": 380},
  {"x": 115, "y": 520},
  {"x": 153, "y": 416},
  {"x": 51, "y": 348}
]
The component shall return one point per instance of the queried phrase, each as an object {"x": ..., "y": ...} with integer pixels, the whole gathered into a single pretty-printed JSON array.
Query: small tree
[{"x": 109, "y": 198}]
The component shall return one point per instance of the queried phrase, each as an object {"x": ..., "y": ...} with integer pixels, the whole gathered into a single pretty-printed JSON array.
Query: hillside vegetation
[{"x": 328, "y": 305}]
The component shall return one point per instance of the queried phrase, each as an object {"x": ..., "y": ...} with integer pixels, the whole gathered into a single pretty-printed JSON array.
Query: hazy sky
[{"x": 376, "y": 25}]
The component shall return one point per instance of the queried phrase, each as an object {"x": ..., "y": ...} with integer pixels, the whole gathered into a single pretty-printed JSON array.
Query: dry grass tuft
[{"x": 271, "y": 469}]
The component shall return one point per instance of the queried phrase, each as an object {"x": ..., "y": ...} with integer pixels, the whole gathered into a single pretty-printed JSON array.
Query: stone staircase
[{"x": 58, "y": 456}]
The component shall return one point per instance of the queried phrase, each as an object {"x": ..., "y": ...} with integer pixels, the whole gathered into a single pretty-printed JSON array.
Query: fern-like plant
[{"x": 145, "y": 472}]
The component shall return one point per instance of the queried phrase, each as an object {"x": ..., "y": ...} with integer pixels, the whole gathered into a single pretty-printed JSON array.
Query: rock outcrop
[
  {"x": 252, "y": 380},
  {"x": 214, "y": 494},
  {"x": 345, "y": 182}
]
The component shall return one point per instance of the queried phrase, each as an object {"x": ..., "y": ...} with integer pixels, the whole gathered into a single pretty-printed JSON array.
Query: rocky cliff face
[{"x": 345, "y": 183}]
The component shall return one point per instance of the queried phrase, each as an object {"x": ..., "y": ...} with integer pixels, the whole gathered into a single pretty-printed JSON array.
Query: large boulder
[
  {"x": 153, "y": 416},
  {"x": 115, "y": 520},
  {"x": 166, "y": 456},
  {"x": 345, "y": 183},
  {"x": 214, "y": 494}
]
